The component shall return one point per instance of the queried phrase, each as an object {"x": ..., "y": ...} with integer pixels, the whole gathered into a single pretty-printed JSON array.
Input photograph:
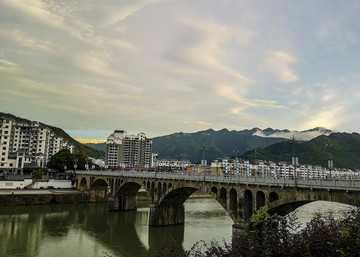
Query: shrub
[{"x": 279, "y": 236}]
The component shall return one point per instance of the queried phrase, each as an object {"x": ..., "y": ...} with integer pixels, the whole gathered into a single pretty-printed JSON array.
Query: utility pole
[
  {"x": 294, "y": 159},
  {"x": 330, "y": 160}
]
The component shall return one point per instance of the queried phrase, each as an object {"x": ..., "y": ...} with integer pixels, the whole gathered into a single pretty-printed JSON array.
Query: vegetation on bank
[
  {"x": 276, "y": 236},
  {"x": 65, "y": 158}
]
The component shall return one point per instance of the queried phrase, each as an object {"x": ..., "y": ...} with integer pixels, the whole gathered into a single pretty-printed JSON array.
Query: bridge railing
[{"x": 353, "y": 184}]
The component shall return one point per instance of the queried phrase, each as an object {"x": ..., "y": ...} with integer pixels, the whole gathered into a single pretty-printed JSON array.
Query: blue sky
[{"x": 160, "y": 66}]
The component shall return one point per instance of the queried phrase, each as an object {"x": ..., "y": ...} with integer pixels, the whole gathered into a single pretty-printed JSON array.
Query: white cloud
[
  {"x": 205, "y": 47},
  {"x": 279, "y": 63},
  {"x": 21, "y": 38},
  {"x": 126, "y": 10},
  {"x": 96, "y": 63}
]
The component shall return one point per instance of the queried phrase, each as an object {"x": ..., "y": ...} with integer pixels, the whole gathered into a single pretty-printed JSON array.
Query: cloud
[
  {"x": 126, "y": 10},
  {"x": 279, "y": 63},
  {"x": 96, "y": 63},
  {"x": 205, "y": 45},
  {"x": 21, "y": 38},
  {"x": 203, "y": 123},
  {"x": 230, "y": 93},
  {"x": 38, "y": 10}
]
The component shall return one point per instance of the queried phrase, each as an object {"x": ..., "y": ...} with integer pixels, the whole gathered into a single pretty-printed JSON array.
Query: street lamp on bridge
[
  {"x": 236, "y": 161},
  {"x": 330, "y": 160},
  {"x": 203, "y": 149},
  {"x": 294, "y": 159}
]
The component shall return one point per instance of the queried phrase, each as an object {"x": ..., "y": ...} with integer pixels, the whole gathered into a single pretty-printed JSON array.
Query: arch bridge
[{"x": 240, "y": 196}]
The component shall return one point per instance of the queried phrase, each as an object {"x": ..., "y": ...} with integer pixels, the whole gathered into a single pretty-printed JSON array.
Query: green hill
[
  {"x": 346, "y": 151},
  {"x": 83, "y": 149},
  {"x": 220, "y": 144}
]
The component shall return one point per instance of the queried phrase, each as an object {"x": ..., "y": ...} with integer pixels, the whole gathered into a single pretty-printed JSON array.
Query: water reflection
[
  {"x": 90, "y": 230},
  {"x": 72, "y": 229}
]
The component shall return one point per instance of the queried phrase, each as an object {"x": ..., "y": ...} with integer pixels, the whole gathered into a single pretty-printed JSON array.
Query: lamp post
[
  {"x": 330, "y": 160},
  {"x": 236, "y": 160},
  {"x": 294, "y": 159},
  {"x": 203, "y": 149},
  {"x": 75, "y": 166}
]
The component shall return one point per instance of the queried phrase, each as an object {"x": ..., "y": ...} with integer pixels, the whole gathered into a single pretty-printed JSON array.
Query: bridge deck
[{"x": 335, "y": 184}]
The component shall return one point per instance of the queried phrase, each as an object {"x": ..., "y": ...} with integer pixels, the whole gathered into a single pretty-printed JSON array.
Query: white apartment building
[
  {"x": 26, "y": 146},
  {"x": 128, "y": 150},
  {"x": 278, "y": 170}
]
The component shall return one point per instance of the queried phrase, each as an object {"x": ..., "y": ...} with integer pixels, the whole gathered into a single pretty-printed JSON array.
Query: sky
[{"x": 166, "y": 66}]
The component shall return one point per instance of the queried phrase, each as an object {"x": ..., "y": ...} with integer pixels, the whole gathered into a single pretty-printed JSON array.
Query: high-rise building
[
  {"x": 25, "y": 146},
  {"x": 128, "y": 150}
]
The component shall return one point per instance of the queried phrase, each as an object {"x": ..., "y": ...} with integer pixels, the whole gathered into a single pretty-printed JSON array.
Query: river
[{"x": 90, "y": 230}]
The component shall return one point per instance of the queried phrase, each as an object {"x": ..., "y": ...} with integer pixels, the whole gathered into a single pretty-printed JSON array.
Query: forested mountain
[
  {"x": 83, "y": 149},
  {"x": 220, "y": 143},
  {"x": 345, "y": 151}
]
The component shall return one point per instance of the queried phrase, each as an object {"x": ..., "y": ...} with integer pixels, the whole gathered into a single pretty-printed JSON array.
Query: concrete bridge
[{"x": 240, "y": 196}]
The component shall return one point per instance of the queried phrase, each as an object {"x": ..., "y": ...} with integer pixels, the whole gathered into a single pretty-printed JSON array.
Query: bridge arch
[
  {"x": 164, "y": 188},
  {"x": 260, "y": 199},
  {"x": 99, "y": 190},
  {"x": 159, "y": 190},
  {"x": 233, "y": 202},
  {"x": 83, "y": 185},
  {"x": 273, "y": 197},
  {"x": 223, "y": 197},
  {"x": 248, "y": 204},
  {"x": 124, "y": 199}
]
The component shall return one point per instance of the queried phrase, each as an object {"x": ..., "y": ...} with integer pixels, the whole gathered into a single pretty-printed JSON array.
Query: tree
[
  {"x": 65, "y": 158},
  {"x": 37, "y": 174}
]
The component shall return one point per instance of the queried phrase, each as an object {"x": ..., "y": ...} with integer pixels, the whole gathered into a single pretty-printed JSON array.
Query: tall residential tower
[{"x": 128, "y": 150}]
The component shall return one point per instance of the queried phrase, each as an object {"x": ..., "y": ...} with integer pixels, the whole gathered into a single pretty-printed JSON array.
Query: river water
[{"x": 90, "y": 230}]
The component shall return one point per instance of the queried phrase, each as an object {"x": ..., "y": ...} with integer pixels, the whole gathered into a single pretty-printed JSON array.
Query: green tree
[
  {"x": 37, "y": 174},
  {"x": 65, "y": 158}
]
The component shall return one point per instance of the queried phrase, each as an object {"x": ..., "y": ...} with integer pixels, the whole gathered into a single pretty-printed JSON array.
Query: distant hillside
[
  {"x": 346, "y": 151},
  {"x": 220, "y": 143},
  {"x": 86, "y": 150},
  {"x": 97, "y": 146}
]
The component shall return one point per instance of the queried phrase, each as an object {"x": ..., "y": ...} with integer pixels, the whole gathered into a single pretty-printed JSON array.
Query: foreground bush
[{"x": 280, "y": 236}]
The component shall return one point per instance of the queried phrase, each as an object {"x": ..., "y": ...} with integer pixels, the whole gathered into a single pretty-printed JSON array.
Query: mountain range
[
  {"x": 267, "y": 144},
  {"x": 223, "y": 143}
]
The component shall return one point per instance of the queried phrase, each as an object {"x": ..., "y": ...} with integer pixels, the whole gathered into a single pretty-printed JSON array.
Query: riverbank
[{"x": 14, "y": 197}]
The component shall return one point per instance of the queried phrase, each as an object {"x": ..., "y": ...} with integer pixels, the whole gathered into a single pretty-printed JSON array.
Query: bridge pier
[
  {"x": 166, "y": 215},
  {"x": 122, "y": 203}
]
